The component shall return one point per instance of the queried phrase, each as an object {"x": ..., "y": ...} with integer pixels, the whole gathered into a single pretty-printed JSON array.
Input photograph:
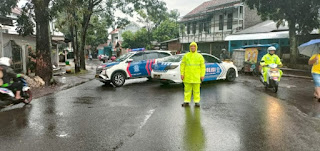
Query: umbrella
[{"x": 310, "y": 48}]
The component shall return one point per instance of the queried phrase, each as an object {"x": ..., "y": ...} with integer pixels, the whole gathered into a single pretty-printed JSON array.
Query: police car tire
[
  {"x": 118, "y": 75},
  {"x": 231, "y": 75},
  {"x": 164, "y": 83}
]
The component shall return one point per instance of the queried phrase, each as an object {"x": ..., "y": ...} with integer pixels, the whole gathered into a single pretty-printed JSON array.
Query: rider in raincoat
[
  {"x": 192, "y": 70},
  {"x": 270, "y": 58}
]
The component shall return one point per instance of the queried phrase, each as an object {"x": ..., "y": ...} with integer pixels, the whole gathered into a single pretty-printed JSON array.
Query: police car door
[
  {"x": 151, "y": 57},
  {"x": 213, "y": 68},
  {"x": 137, "y": 66}
]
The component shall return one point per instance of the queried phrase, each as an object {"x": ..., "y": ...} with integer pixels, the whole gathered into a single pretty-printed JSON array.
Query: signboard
[{"x": 251, "y": 55}]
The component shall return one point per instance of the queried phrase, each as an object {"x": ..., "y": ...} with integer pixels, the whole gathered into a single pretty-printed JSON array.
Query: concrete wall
[
  {"x": 28, "y": 40},
  {"x": 251, "y": 17},
  {"x": 175, "y": 45},
  {"x": 213, "y": 48}
]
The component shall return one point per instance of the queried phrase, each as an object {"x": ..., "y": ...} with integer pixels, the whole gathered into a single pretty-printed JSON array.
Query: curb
[
  {"x": 296, "y": 76},
  {"x": 74, "y": 85}
]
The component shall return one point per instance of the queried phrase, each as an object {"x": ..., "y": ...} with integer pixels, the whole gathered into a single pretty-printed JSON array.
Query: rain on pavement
[{"x": 144, "y": 115}]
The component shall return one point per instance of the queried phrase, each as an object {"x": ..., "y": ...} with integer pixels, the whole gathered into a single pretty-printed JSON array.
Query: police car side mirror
[{"x": 129, "y": 60}]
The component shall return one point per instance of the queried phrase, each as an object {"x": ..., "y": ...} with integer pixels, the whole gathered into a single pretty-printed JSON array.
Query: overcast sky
[{"x": 184, "y": 6}]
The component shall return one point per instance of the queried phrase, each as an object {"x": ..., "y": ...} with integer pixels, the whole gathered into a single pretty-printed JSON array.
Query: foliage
[
  {"x": 25, "y": 25},
  {"x": 301, "y": 15},
  {"x": 167, "y": 30},
  {"x": 98, "y": 32},
  {"x": 304, "y": 13},
  {"x": 6, "y": 6},
  {"x": 136, "y": 40}
]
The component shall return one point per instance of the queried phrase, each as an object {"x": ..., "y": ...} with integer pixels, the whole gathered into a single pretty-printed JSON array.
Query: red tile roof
[{"x": 209, "y": 5}]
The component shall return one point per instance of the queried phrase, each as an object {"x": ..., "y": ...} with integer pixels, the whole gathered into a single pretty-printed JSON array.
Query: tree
[
  {"x": 135, "y": 40},
  {"x": 166, "y": 30},
  {"x": 98, "y": 31},
  {"x": 301, "y": 15},
  {"x": 87, "y": 8},
  {"x": 42, "y": 16},
  {"x": 68, "y": 23}
]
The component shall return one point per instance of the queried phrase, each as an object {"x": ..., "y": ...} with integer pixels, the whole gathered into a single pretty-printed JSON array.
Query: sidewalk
[
  {"x": 296, "y": 73},
  {"x": 66, "y": 81}
]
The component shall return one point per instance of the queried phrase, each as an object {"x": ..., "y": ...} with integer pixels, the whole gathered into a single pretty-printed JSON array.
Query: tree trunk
[
  {"x": 293, "y": 44},
  {"x": 43, "y": 40},
  {"x": 85, "y": 24},
  {"x": 75, "y": 49}
]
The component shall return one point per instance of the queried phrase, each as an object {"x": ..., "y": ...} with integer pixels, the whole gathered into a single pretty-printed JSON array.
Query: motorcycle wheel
[
  {"x": 28, "y": 96},
  {"x": 274, "y": 86}
]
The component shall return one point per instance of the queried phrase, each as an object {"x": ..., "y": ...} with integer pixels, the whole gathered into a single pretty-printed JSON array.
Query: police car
[
  {"x": 167, "y": 70},
  {"x": 135, "y": 64}
]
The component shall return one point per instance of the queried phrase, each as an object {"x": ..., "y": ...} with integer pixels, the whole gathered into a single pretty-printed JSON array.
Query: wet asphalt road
[{"x": 144, "y": 116}]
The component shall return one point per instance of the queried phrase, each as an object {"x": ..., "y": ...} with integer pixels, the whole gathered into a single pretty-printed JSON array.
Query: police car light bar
[{"x": 138, "y": 49}]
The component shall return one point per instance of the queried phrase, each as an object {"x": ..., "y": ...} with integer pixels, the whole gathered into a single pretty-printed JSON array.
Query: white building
[{"x": 212, "y": 21}]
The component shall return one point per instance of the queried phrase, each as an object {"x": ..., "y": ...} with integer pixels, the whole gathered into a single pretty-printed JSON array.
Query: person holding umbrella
[
  {"x": 312, "y": 48},
  {"x": 314, "y": 61}
]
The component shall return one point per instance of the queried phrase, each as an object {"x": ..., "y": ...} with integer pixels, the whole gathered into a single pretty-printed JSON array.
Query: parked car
[
  {"x": 136, "y": 64},
  {"x": 167, "y": 70}
]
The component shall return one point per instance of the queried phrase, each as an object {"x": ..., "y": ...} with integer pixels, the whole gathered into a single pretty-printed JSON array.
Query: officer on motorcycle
[
  {"x": 270, "y": 58},
  {"x": 10, "y": 78}
]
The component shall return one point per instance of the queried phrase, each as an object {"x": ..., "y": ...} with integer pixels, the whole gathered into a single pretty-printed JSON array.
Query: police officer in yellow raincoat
[
  {"x": 270, "y": 58},
  {"x": 192, "y": 71}
]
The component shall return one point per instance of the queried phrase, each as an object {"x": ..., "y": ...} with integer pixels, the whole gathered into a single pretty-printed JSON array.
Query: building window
[
  {"x": 230, "y": 20},
  {"x": 200, "y": 27},
  {"x": 241, "y": 9},
  {"x": 206, "y": 29},
  {"x": 188, "y": 28},
  {"x": 194, "y": 28},
  {"x": 221, "y": 21}
]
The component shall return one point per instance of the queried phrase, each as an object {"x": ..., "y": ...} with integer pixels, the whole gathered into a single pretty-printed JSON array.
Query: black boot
[{"x": 185, "y": 104}]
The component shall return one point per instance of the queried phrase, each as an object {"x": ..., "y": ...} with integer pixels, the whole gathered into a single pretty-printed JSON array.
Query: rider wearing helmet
[
  {"x": 270, "y": 58},
  {"x": 10, "y": 78}
]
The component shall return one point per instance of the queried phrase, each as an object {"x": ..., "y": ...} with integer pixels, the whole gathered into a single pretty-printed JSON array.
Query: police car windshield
[
  {"x": 175, "y": 58},
  {"x": 123, "y": 57}
]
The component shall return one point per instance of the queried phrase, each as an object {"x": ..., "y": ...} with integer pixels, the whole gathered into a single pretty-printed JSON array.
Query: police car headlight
[{"x": 171, "y": 67}]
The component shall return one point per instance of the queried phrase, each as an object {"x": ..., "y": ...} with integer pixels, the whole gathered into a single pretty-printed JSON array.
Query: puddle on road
[{"x": 86, "y": 100}]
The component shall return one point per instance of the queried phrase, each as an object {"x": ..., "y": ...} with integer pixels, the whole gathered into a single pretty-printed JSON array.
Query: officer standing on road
[{"x": 192, "y": 70}]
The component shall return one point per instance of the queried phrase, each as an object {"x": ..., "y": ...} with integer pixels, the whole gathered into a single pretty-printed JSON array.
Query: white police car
[
  {"x": 135, "y": 64},
  {"x": 167, "y": 70}
]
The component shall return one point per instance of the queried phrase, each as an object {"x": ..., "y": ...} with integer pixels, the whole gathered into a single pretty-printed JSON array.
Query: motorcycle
[
  {"x": 7, "y": 96},
  {"x": 273, "y": 76}
]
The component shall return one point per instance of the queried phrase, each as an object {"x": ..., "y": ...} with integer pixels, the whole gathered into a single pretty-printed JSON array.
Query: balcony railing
[{"x": 204, "y": 37}]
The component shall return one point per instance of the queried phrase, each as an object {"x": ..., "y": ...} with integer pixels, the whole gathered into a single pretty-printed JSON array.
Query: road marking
[{"x": 146, "y": 118}]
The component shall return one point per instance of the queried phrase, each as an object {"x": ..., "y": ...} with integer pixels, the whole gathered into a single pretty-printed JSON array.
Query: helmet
[
  {"x": 5, "y": 61},
  {"x": 272, "y": 48}
]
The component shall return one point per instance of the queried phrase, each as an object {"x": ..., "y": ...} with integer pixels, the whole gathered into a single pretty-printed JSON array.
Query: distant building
[
  {"x": 12, "y": 45},
  {"x": 212, "y": 21},
  {"x": 173, "y": 45},
  {"x": 116, "y": 37}
]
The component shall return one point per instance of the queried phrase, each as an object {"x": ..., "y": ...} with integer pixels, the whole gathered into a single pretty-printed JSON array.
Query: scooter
[
  {"x": 273, "y": 76},
  {"x": 7, "y": 97}
]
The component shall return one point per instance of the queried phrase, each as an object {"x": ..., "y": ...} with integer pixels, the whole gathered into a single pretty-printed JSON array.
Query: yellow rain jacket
[
  {"x": 192, "y": 66},
  {"x": 270, "y": 59}
]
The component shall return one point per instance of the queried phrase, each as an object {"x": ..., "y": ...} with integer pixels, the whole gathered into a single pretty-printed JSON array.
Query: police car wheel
[
  {"x": 231, "y": 75},
  {"x": 118, "y": 79},
  {"x": 164, "y": 83}
]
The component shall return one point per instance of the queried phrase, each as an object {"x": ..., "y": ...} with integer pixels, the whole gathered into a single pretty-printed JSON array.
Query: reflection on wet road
[
  {"x": 194, "y": 137},
  {"x": 147, "y": 116}
]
